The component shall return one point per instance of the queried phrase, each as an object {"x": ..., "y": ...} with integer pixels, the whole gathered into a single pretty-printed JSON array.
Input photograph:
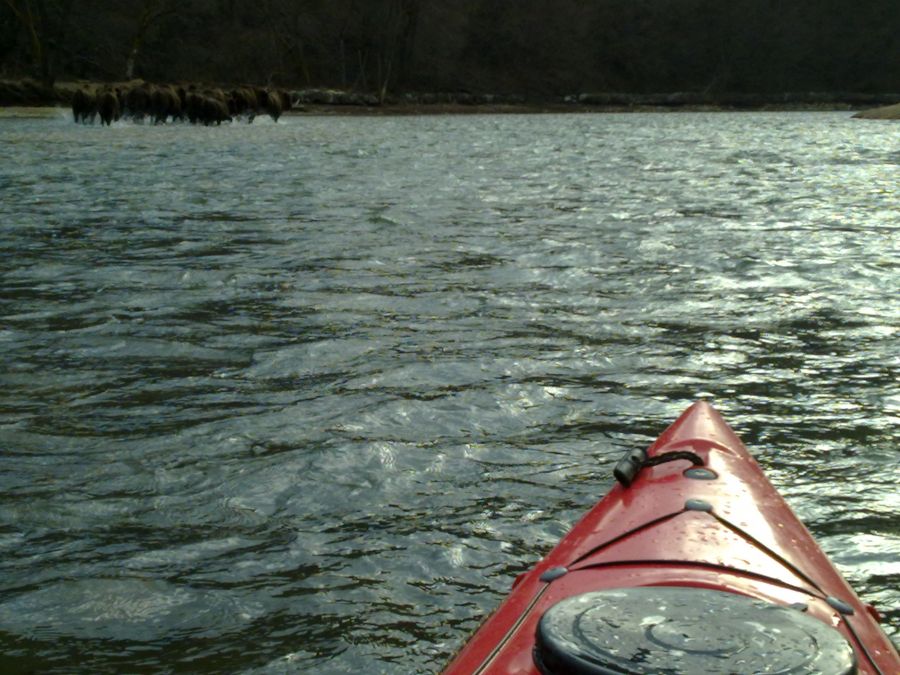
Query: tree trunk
[
  {"x": 30, "y": 21},
  {"x": 153, "y": 11},
  {"x": 385, "y": 80},
  {"x": 129, "y": 63}
]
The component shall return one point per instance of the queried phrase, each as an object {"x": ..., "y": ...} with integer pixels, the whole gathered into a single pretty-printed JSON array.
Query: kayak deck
[{"x": 717, "y": 527}]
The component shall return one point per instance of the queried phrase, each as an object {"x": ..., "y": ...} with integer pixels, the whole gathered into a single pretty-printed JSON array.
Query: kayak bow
[{"x": 692, "y": 563}]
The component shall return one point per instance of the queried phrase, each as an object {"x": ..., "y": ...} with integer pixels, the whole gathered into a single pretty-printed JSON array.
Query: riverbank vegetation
[{"x": 529, "y": 50}]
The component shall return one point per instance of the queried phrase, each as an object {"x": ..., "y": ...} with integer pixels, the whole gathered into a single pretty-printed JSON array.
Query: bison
[
  {"x": 84, "y": 105},
  {"x": 108, "y": 106}
]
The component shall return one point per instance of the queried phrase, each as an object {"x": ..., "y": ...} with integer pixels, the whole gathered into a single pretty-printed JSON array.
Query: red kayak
[{"x": 692, "y": 564}]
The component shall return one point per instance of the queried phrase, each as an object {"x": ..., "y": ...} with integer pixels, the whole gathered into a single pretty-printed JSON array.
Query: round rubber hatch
[{"x": 677, "y": 629}]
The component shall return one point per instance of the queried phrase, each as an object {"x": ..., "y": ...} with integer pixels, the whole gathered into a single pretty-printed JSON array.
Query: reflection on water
[{"x": 311, "y": 394}]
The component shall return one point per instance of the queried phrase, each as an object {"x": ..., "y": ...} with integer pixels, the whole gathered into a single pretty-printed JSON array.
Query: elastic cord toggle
[{"x": 631, "y": 464}]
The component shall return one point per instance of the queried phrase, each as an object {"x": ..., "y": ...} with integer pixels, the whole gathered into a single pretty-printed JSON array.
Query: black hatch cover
[{"x": 685, "y": 630}]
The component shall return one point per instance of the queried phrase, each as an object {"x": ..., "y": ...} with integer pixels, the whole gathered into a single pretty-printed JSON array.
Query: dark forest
[{"x": 538, "y": 49}]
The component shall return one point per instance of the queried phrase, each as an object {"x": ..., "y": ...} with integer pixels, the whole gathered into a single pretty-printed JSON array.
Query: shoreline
[
  {"x": 400, "y": 110},
  {"x": 29, "y": 95},
  {"x": 410, "y": 110}
]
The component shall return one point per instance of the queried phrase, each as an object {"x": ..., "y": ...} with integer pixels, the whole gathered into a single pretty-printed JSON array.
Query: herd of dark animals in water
[{"x": 160, "y": 103}]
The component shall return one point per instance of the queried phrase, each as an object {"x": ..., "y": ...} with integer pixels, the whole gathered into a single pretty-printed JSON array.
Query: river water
[{"x": 306, "y": 396}]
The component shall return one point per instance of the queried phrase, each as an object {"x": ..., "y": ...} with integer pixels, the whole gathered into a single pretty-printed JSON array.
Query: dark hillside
[{"x": 540, "y": 49}]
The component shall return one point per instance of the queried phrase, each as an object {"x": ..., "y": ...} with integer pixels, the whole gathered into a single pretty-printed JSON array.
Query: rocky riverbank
[{"x": 30, "y": 93}]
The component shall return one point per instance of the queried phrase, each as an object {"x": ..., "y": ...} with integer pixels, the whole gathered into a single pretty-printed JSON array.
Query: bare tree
[
  {"x": 285, "y": 20},
  {"x": 382, "y": 32},
  {"x": 45, "y": 22},
  {"x": 152, "y": 12}
]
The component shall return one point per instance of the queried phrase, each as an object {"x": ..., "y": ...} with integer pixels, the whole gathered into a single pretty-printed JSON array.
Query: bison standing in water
[
  {"x": 214, "y": 110},
  {"x": 208, "y": 107},
  {"x": 84, "y": 106},
  {"x": 243, "y": 102},
  {"x": 164, "y": 103},
  {"x": 270, "y": 102},
  {"x": 138, "y": 100},
  {"x": 108, "y": 106}
]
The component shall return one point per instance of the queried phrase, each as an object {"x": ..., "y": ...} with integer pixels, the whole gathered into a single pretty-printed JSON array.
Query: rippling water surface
[{"x": 307, "y": 396}]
